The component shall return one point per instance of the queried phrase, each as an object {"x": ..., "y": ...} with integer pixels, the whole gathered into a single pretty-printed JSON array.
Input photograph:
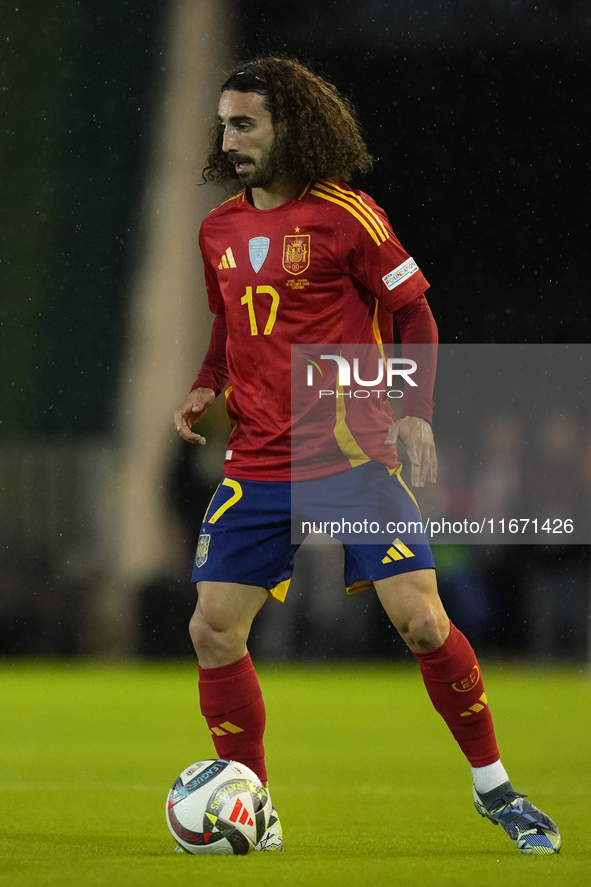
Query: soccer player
[{"x": 298, "y": 257}]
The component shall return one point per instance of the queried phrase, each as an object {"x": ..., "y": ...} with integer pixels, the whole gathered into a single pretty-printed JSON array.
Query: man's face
[{"x": 248, "y": 137}]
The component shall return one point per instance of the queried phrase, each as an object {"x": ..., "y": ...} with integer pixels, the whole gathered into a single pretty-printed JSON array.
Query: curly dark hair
[{"x": 317, "y": 135}]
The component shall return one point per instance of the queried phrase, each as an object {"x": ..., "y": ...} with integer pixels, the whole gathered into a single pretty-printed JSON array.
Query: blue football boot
[{"x": 531, "y": 831}]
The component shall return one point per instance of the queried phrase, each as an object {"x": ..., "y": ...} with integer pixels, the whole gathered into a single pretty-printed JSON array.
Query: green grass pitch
[{"x": 369, "y": 786}]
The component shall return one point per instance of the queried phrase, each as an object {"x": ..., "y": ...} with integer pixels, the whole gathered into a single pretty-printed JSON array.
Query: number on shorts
[{"x": 234, "y": 498}]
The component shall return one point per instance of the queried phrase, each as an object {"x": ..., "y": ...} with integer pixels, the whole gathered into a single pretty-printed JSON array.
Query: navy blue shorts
[{"x": 252, "y": 529}]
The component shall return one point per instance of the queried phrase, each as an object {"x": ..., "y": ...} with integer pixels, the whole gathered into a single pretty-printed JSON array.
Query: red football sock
[
  {"x": 232, "y": 704},
  {"x": 454, "y": 683}
]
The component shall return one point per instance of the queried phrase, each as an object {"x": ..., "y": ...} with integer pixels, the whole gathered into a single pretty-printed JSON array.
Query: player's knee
[
  {"x": 219, "y": 643},
  {"x": 203, "y": 635},
  {"x": 424, "y": 630}
]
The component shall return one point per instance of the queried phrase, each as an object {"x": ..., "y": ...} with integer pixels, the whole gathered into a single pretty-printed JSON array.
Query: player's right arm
[
  {"x": 190, "y": 411},
  {"x": 213, "y": 374},
  {"x": 211, "y": 380}
]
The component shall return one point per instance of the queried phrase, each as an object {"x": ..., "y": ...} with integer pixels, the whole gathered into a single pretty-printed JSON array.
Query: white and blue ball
[{"x": 218, "y": 808}]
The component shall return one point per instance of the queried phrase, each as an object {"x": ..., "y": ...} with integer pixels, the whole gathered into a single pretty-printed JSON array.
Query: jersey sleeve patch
[{"x": 395, "y": 277}]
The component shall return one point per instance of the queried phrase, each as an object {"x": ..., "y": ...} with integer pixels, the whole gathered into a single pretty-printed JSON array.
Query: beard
[{"x": 263, "y": 172}]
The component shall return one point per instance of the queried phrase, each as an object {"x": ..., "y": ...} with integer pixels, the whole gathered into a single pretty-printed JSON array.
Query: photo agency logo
[{"x": 386, "y": 369}]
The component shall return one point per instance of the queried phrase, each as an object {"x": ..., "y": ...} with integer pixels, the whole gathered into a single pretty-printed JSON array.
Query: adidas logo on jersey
[
  {"x": 227, "y": 260},
  {"x": 397, "y": 552}
]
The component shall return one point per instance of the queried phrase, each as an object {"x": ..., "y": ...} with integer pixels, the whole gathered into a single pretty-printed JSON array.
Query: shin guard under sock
[
  {"x": 454, "y": 683},
  {"x": 232, "y": 704}
]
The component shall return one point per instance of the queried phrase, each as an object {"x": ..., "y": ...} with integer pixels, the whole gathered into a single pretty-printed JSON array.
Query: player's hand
[
  {"x": 417, "y": 436},
  {"x": 190, "y": 411}
]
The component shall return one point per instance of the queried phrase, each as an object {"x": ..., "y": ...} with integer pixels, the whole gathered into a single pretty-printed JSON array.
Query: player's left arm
[
  {"x": 383, "y": 266},
  {"x": 417, "y": 325}
]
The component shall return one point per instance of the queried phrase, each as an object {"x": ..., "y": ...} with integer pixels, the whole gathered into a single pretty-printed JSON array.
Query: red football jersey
[{"x": 323, "y": 268}]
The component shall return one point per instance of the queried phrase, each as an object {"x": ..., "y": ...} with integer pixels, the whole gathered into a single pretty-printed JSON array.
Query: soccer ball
[{"x": 218, "y": 808}]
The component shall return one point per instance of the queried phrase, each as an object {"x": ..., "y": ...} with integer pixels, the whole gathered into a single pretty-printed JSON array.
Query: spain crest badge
[
  {"x": 296, "y": 253},
  {"x": 202, "y": 549}
]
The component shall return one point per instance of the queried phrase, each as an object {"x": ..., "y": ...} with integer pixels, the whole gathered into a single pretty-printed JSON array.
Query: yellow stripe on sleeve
[
  {"x": 353, "y": 212},
  {"x": 360, "y": 205}
]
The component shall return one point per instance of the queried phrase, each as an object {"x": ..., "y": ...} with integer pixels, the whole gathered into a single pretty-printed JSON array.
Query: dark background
[{"x": 477, "y": 115}]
